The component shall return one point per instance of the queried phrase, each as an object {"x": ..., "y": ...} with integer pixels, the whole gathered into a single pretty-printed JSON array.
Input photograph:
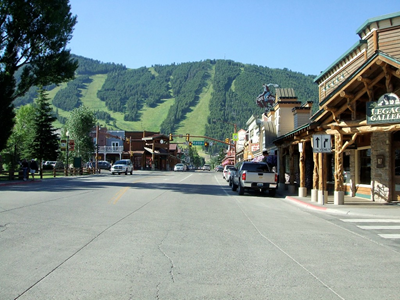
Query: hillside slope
[{"x": 177, "y": 98}]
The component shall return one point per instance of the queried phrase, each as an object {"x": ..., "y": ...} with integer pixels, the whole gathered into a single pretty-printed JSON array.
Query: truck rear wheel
[
  {"x": 272, "y": 192},
  {"x": 234, "y": 186},
  {"x": 241, "y": 189}
]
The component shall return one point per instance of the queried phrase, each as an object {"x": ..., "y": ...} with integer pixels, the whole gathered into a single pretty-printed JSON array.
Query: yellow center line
[{"x": 122, "y": 191}]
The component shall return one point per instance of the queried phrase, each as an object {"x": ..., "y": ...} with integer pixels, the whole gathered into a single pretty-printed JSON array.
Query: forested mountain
[{"x": 166, "y": 97}]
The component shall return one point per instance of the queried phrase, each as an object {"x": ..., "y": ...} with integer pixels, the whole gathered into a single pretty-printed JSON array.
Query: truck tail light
[
  {"x": 244, "y": 176},
  {"x": 276, "y": 177}
]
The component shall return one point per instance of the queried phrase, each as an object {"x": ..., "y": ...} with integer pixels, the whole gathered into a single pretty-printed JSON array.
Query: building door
[{"x": 396, "y": 166}]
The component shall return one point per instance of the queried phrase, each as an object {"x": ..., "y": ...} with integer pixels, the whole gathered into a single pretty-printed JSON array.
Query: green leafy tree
[
  {"x": 34, "y": 36},
  {"x": 45, "y": 145},
  {"x": 19, "y": 144},
  {"x": 79, "y": 125}
]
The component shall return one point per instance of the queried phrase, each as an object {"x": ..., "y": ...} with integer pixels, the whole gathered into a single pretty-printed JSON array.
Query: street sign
[
  {"x": 63, "y": 145},
  {"x": 198, "y": 143},
  {"x": 322, "y": 143},
  {"x": 71, "y": 145},
  {"x": 235, "y": 137}
]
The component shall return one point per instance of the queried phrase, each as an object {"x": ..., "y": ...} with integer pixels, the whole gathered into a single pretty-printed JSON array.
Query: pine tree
[{"x": 45, "y": 145}]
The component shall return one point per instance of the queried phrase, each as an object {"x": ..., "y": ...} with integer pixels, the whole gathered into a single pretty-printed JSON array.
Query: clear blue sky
[{"x": 304, "y": 36}]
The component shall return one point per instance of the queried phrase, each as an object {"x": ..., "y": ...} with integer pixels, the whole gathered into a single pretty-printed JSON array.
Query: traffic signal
[
  {"x": 206, "y": 144},
  {"x": 170, "y": 137},
  {"x": 227, "y": 140},
  {"x": 190, "y": 144},
  {"x": 187, "y": 137}
]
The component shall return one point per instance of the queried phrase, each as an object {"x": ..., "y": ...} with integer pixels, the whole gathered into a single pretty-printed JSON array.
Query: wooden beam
[{"x": 366, "y": 129}]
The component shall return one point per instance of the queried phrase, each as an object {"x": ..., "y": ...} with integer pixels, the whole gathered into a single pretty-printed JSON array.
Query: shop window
[{"x": 364, "y": 166}]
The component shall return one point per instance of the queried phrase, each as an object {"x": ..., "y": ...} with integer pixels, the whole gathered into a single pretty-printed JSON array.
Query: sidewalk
[{"x": 353, "y": 206}]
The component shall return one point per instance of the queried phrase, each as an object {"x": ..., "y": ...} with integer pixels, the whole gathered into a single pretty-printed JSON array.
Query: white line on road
[
  {"x": 390, "y": 236},
  {"x": 371, "y": 220},
  {"x": 380, "y": 227},
  {"x": 185, "y": 178}
]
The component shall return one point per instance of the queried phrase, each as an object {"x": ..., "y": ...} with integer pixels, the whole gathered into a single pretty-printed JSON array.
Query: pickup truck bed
[{"x": 256, "y": 176}]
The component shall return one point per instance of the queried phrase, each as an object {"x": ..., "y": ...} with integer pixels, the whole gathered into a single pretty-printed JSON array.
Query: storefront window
[{"x": 365, "y": 166}]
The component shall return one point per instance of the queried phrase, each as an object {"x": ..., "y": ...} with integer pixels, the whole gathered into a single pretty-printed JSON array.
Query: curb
[{"x": 309, "y": 205}]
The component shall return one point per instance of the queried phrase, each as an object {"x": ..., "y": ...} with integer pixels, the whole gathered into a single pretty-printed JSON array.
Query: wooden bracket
[{"x": 368, "y": 86}]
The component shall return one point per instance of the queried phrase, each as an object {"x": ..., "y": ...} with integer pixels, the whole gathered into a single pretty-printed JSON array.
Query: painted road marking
[
  {"x": 390, "y": 236},
  {"x": 371, "y": 220},
  {"x": 382, "y": 227}
]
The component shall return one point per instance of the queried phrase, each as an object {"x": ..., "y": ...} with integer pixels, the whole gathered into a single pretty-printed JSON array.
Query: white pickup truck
[{"x": 254, "y": 175}]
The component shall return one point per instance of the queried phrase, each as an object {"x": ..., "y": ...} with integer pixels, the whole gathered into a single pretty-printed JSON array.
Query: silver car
[{"x": 122, "y": 166}]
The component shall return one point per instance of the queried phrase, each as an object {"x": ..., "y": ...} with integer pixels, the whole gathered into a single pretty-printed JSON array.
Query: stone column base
[
  {"x": 322, "y": 197},
  {"x": 314, "y": 195},
  {"x": 302, "y": 192},
  {"x": 338, "y": 198}
]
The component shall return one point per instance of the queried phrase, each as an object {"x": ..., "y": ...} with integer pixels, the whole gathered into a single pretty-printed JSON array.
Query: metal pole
[
  {"x": 67, "y": 153},
  {"x": 97, "y": 148}
]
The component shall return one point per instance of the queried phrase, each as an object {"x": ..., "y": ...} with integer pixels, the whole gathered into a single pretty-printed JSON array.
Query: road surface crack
[{"x": 172, "y": 266}]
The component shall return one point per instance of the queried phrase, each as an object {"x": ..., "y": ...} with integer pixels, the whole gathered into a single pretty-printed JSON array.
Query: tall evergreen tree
[{"x": 45, "y": 145}]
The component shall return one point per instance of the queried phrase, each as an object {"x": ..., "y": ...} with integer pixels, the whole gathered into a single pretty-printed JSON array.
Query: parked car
[
  {"x": 231, "y": 173},
  {"x": 206, "y": 167},
  {"x": 254, "y": 175},
  {"x": 122, "y": 166},
  {"x": 219, "y": 168},
  {"x": 179, "y": 167},
  {"x": 225, "y": 171},
  {"x": 49, "y": 165},
  {"x": 105, "y": 165}
]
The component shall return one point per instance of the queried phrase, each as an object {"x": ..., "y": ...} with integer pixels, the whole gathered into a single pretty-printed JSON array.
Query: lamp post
[
  {"x": 97, "y": 148},
  {"x": 67, "y": 133}
]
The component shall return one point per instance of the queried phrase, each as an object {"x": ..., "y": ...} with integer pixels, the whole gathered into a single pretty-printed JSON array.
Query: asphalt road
[{"x": 166, "y": 235}]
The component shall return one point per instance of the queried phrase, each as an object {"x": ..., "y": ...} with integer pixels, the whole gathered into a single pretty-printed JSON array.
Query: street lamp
[{"x": 67, "y": 133}]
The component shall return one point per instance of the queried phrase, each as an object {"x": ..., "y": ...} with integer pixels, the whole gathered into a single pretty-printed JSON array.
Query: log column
[
  {"x": 339, "y": 186},
  {"x": 322, "y": 192},
  {"x": 302, "y": 167},
  {"x": 314, "y": 191}
]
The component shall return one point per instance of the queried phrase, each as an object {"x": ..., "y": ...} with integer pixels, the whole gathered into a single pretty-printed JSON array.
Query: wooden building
[{"x": 359, "y": 116}]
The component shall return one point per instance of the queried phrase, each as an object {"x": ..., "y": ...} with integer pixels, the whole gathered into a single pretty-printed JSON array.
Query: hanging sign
[{"x": 385, "y": 110}]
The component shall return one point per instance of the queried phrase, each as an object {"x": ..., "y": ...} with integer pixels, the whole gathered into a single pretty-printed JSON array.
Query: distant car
[
  {"x": 122, "y": 166},
  {"x": 105, "y": 165},
  {"x": 49, "y": 165},
  {"x": 179, "y": 167},
  {"x": 225, "y": 171},
  {"x": 219, "y": 168},
  {"x": 206, "y": 167}
]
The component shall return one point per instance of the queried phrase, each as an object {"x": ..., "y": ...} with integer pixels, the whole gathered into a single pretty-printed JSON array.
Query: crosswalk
[{"x": 386, "y": 228}]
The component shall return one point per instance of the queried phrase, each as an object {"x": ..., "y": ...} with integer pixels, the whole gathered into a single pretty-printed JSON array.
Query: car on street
[
  {"x": 231, "y": 173},
  {"x": 219, "y": 168},
  {"x": 206, "y": 167},
  {"x": 179, "y": 167},
  {"x": 258, "y": 176},
  {"x": 122, "y": 166},
  {"x": 225, "y": 171},
  {"x": 49, "y": 165},
  {"x": 105, "y": 165}
]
